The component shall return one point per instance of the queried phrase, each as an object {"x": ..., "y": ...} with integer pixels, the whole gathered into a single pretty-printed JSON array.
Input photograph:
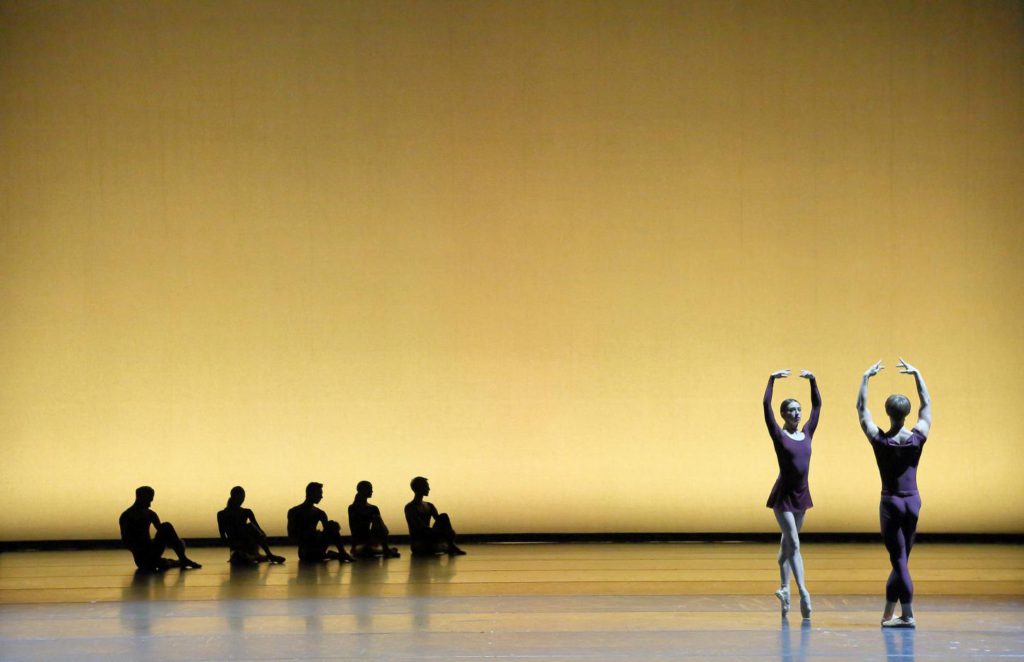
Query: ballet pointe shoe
[
  {"x": 783, "y": 595},
  {"x": 805, "y": 605}
]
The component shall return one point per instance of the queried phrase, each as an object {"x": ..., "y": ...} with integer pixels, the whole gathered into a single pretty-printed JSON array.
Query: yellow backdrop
[{"x": 543, "y": 253}]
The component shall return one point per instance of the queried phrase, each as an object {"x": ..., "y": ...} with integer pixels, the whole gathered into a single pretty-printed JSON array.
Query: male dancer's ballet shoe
[
  {"x": 805, "y": 605},
  {"x": 455, "y": 551},
  {"x": 783, "y": 595},
  {"x": 189, "y": 564},
  {"x": 274, "y": 558},
  {"x": 899, "y": 622}
]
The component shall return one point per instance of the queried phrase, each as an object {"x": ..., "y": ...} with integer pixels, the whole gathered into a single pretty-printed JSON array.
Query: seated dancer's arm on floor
[
  {"x": 222, "y": 526},
  {"x": 418, "y": 529}
]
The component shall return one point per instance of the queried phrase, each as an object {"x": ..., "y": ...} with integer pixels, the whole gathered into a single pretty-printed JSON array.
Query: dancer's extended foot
[
  {"x": 889, "y": 611},
  {"x": 189, "y": 564},
  {"x": 391, "y": 553},
  {"x": 455, "y": 551},
  {"x": 274, "y": 558},
  {"x": 783, "y": 595},
  {"x": 805, "y": 605},
  {"x": 899, "y": 622}
]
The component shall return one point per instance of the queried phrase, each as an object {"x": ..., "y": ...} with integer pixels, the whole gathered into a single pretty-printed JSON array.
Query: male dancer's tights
[{"x": 898, "y": 517}]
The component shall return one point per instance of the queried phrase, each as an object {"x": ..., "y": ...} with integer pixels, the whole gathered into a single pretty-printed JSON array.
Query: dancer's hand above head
[
  {"x": 874, "y": 370},
  {"x": 924, "y": 413},
  {"x": 780, "y": 374},
  {"x": 807, "y": 374},
  {"x": 907, "y": 369}
]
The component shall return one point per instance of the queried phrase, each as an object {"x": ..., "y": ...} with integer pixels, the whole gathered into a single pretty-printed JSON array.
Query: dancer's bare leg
[
  {"x": 783, "y": 593},
  {"x": 784, "y": 571},
  {"x": 797, "y": 560},
  {"x": 168, "y": 537},
  {"x": 785, "y": 552},
  {"x": 790, "y": 524}
]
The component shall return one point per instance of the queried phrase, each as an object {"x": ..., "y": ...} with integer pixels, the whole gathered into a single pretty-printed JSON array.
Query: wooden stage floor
[{"x": 512, "y": 602}]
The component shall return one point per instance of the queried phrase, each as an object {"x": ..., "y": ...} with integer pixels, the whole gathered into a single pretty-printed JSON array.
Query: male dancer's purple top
[
  {"x": 791, "y": 492},
  {"x": 897, "y": 462}
]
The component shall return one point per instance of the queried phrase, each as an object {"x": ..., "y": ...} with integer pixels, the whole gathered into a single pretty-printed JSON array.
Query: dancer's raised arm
[
  {"x": 812, "y": 422},
  {"x": 866, "y": 422},
  {"x": 924, "y": 412},
  {"x": 769, "y": 415}
]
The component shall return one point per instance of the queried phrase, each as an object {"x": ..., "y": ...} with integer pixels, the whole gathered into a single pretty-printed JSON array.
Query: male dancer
[
  {"x": 428, "y": 538},
  {"x": 313, "y": 542},
  {"x": 148, "y": 551},
  {"x": 897, "y": 453}
]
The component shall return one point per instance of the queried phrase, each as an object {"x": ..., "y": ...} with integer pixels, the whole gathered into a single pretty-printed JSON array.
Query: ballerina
[{"x": 790, "y": 497}]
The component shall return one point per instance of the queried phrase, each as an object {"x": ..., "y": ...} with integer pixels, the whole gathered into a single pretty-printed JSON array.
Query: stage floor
[{"x": 554, "y": 602}]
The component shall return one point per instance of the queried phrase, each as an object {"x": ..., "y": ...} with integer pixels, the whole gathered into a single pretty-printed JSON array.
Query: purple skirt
[{"x": 790, "y": 498}]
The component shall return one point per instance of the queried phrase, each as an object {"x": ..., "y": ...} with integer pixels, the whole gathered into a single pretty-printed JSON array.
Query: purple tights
[{"x": 898, "y": 516}]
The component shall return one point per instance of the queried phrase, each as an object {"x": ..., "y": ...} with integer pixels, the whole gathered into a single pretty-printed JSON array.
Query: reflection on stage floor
[{"x": 555, "y": 602}]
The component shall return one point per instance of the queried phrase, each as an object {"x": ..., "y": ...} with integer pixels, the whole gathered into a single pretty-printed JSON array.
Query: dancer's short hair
[
  {"x": 314, "y": 487},
  {"x": 786, "y": 403},
  {"x": 418, "y": 483},
  {"x": 897, "y": 406}
]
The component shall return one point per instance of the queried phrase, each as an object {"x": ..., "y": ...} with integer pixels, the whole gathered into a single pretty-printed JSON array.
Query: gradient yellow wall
[{"x": 544, "y": 253}]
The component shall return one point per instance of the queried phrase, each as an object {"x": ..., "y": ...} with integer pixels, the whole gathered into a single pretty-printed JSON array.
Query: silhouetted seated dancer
[
  {"x": 313, "y": 542},
  {"x": 897, "y": 453},
  {"x": 239, "y": 528},
  {"x": 148, "y": 551},
  {"x": 369, "y": 533},
  {"x": 428, "y": 538}
]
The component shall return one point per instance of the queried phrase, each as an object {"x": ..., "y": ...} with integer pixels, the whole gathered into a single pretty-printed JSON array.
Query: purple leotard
[
  {"x": 897, "y": 462},
  {"x": 791, "y": 492},
  {"x": 899, "y": 508}
]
